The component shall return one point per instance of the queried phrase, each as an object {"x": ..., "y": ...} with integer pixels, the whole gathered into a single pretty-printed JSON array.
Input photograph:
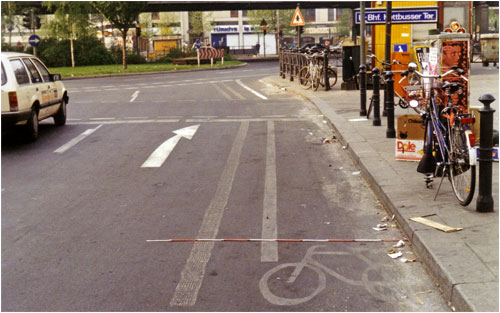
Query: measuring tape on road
[{"x": 276, "y": 240}]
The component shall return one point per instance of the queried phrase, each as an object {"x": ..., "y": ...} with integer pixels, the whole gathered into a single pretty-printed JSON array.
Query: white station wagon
[{"x": 30, "y": 93}]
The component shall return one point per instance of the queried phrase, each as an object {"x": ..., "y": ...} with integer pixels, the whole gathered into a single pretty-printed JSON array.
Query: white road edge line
[
  {"x": 193, "y": 272},
  {"x": 269, "y": 250},
  {"x": 134, "y": 95},
  {"x": 251, "y": 90},
  {"x": 76, "y": 140}
]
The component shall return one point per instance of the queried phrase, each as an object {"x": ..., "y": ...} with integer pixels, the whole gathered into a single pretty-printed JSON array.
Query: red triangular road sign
[{"x": 297, "y": 19}]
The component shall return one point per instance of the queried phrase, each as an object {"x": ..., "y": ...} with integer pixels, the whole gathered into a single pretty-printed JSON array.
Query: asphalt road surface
[{"x": 212, "y": 154}]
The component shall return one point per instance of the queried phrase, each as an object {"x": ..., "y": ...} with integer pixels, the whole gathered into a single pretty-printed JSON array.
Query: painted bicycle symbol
[{"x": 321, "y": 270}]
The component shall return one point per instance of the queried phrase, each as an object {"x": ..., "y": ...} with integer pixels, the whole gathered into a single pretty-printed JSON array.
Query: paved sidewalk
[{"x": 463, "y": 263}]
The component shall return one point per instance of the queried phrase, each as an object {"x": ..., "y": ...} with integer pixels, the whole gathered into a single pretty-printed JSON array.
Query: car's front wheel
[
  {"x": 32, "y": 126},
  {"x": 60, "y": 117}
]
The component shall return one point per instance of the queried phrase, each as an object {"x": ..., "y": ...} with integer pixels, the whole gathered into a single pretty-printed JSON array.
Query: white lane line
[
  {"x": 102, "y": 119},
  {"x": 160, "y": 155},
  {"x": 228, "y": 97},
  {"x": 234, "y": 92},
  {"x": 269, "y": 250},
  {"x": 76, "y": 140},
  {"x": 251, "y": 90},
  {"x": 192, "y": 275},
  {"x": 231, "y": 120},
  {"x": 117, "y": 122},
  {"x": 134, "y": 95}
]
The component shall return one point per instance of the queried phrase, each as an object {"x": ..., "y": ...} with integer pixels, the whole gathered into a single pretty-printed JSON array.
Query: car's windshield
[{"x": 4, "y": 77}]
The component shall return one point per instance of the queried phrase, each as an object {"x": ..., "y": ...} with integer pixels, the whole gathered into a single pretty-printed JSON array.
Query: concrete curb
[
  {"x": 159, "y": 72},
  {"x": 450, "y": 266}
]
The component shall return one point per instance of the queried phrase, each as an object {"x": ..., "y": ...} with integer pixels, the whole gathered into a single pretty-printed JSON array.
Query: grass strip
[{"x": 116, "y": 69}]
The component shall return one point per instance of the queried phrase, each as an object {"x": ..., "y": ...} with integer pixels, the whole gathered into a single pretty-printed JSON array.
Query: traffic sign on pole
[
  {"x": 34, "y": 40},
  {"x": 297, "y": 19}
]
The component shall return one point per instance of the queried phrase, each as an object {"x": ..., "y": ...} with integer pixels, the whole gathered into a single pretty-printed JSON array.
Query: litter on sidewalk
[
  {"x": 400, "y": 244},
  {"x": 395, "y": 255},
  {"x": 436, "y": 225},
  {"x": 380, "y": 227}
]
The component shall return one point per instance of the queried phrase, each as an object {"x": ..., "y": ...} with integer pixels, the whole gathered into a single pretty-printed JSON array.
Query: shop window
[
  {"x": 331, "y": 15},
  {"x": 309, "y": 15}
]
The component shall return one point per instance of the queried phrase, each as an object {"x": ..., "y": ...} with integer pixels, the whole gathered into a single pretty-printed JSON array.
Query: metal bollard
[
  {"x": 389, "y": 105},
  {"x": 376, "y": 97},
  {"x": 282, "y": 63},
  {"x": 362, "y": 89},
  {"x": 325, "y": 71},
  {"x": 485, "y": 199}
]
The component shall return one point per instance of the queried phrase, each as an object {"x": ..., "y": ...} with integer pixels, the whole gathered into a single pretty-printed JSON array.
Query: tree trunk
[
  {"x": 72, "y": 51},
  {"x": 124, "y": 48}
]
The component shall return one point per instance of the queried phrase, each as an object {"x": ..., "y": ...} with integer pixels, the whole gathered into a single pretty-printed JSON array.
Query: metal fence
[{"x": 291, "y": 63}]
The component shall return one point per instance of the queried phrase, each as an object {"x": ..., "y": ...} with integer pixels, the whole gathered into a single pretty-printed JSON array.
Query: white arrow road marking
[
  {"x": 76, "y": 140},
  {"x": 251, "y": 90},
  {"x": 158, "y": 157},
  {"x": 134, "y": 96}
]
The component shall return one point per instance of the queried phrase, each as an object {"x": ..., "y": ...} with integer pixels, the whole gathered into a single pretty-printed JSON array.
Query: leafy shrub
[
  {"x": 165, "y": 60},
  {"x": 133, "y": 58},
  {"x": 91, "y": 51},
  {"x": 175, "y": 53}
]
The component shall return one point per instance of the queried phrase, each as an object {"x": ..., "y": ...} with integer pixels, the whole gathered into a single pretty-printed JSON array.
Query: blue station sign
[{"x": 400, "y": 16}]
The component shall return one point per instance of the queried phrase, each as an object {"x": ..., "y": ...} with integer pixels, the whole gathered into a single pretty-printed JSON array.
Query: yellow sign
[{"x": 297, "y": 19}]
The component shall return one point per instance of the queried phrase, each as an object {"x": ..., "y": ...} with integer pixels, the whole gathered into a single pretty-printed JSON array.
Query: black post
[
  {"x": 391, "y": 132},
  {"x": 281, "y": 62},
  {"x": 485, "y": 199},
  {"x": 388, "y": 31},
  {"x": 325, "y": 69},
  {"x": 376, "y": 97},
  {"x": 362, "y": 89}
]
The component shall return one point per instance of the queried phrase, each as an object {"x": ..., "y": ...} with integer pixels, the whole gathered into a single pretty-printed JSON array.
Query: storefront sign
[
  {"x": 400, "y": 16},
  {"x": 231, "y": 29}
]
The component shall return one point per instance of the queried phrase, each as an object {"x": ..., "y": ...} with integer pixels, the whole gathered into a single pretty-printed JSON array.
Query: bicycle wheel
[
  {"x": 462, "y": 173},
  {"x": 316, "y": 80},
  {"x": 332, "y": 77},
  {"x": 285, "y": 290},
  {"x": 305, "y": 77}
]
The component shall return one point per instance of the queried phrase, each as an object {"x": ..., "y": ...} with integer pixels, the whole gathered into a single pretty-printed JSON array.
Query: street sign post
[
  {"x": 298, "y": 21},
  {"x": 34, "y": 40}
]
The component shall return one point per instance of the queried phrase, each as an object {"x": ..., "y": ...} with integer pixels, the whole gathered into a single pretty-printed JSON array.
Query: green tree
[
  {"x": 71, "y": 21},
  {"x": 199, "y": 22},
  {"x": 344, "y": 23},
  {"x": 121, "y": 15},
  {"x": 271, "y": 17},
  {"x": 11, "y": 19}
]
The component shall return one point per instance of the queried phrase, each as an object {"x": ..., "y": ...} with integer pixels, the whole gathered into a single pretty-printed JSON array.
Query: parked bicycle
[
  {"x": 448, "y": 141},
  {"x": 312, "y": 75},
  {"x": 414, "y": 84}
]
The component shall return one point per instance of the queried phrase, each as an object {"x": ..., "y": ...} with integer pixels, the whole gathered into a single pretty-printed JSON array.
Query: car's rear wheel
[
  {"x": 32, "y": 126},
  {"x": 60, "y": 117}
]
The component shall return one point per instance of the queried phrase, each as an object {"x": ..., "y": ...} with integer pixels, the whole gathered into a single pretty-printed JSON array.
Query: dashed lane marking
[
  {"x": 193, "y": 272},
  {"x": 76, "y": 140},
  {"x": 251, "y": 90}
]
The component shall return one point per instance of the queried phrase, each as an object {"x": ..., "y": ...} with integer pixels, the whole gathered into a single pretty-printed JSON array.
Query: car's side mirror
[{"x": 55, "y": 77}]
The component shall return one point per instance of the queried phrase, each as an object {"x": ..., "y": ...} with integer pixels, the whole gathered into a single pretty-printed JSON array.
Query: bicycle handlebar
[{"x": 454, "y": 69}]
